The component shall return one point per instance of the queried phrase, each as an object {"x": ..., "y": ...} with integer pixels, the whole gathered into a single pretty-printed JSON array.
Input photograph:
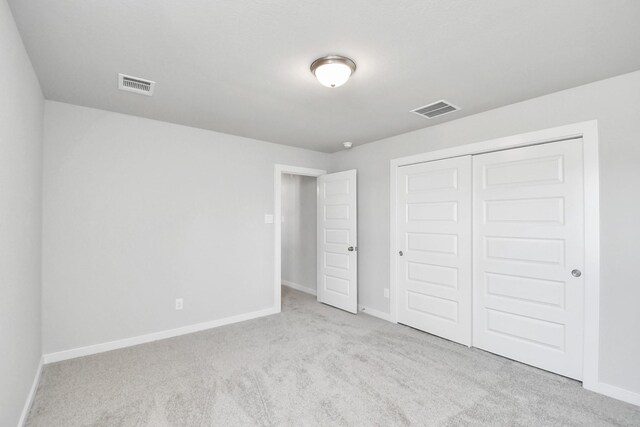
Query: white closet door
[
  {"x": 434, "y": 240},
  {"x": 338, "y": 240},
  {"x": 528, "y": 237}
]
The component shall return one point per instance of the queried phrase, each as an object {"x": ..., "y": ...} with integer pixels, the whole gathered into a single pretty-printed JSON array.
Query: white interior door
[
  {"x": 434, "y": 243},
  {"x": 338, "y": 240},
  {"x": 528, "y": 237}
]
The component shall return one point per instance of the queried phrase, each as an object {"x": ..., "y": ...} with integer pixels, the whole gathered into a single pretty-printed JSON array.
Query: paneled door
[
  {"x": 434, "y": 243},
  {"x": 338, "y": 241},
  {"x": 528, "y": 255}
]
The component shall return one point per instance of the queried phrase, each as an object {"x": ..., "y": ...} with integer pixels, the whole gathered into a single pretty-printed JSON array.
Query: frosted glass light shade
[
  {"x": 333, "y": 71},
  {"x": 333, "y": 75}
]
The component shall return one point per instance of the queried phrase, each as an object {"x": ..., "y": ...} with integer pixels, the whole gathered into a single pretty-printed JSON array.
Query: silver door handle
[
  {"x": 351, "y": 248},
  {"x": 576, "y": 273}
]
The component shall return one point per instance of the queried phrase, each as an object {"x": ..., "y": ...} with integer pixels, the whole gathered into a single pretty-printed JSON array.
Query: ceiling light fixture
[{"x": 333, "y": 70}]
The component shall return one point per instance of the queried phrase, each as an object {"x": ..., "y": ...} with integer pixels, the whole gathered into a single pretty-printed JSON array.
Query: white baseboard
[
  {"x": 298, "y": 287},
  {"x": 375, "y": 313},
  {"x": 31, "y": 395},
  {"x": 616, "y": 392},
  {"x": 142, "y": 339}
]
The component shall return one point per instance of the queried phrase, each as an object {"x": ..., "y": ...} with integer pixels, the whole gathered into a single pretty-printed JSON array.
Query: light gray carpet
[{"x": 312, "y": 365}]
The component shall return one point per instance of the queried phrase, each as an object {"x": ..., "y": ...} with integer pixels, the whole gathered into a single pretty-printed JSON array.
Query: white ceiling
[{"x": 242, "y": 66}]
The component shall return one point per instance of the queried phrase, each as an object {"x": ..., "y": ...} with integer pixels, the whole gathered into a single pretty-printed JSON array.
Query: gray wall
[
  {"x": 21, "y": 110},
  {"x": 138, "y": 213},
  {"x": 299, "y": 230},
  {"x": 615, "y": 103}
]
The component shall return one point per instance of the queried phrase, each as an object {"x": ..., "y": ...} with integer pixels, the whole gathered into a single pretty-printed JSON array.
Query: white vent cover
[
  {"x": 435, "y": 109},
  {"x": 135, "y": 84}
]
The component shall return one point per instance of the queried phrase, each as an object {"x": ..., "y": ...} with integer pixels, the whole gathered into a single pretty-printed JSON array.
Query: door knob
[
  {"x": 351, "y": 249},
  {"x": 576, "y": 273},
  {"x": 400, "y": 253}
]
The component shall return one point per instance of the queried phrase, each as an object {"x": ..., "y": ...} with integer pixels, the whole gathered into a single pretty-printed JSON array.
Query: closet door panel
[
  {"x": 528, "y": 238},
  {"x": 434, "y": 237}
]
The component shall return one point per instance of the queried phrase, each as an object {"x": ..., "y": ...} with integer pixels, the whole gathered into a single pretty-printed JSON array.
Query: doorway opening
[
  {"x": 336, "y": 236},
  {"x": 298, "y": 234},
  {"x": 295, "y": 211}
]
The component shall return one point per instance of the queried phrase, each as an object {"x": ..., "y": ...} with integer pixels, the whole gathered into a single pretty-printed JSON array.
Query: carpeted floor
[{"x": 312, "y": 365}]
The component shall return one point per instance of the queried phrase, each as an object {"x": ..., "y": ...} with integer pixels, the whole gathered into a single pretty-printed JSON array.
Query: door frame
[
  {"x": 588, "y": 131},
  {"x": 277, "y": 222}
]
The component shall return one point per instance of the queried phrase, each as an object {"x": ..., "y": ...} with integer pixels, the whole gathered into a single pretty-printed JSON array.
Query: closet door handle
[{"x": 351, "y": 249}]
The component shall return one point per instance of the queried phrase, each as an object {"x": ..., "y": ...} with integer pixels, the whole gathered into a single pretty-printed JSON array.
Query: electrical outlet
[
  {"x": 178, "y": 303},
  {"x": 386, "y": 292},
  {"x": 268, "y": 219}
]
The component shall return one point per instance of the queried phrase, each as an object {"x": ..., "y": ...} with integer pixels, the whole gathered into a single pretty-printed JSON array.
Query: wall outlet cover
[
  {"x": 268, "y": 219},
  {"x": 179, "y": 303},
  {"x": 386, "y": 292}
]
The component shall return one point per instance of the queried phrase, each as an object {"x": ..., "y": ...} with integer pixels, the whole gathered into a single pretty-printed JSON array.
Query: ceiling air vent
[
  {"x": 135, "y": 84},
  {"x": 435, "y": 109}
]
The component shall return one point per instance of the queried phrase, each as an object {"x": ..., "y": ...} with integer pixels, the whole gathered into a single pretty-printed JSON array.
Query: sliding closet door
[
  {"x": 434, "y": 242},
  {"x": 528, "y": 253}
]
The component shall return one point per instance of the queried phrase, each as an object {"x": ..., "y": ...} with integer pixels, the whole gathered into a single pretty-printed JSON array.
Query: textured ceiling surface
[{"x": 242, "y": 66}]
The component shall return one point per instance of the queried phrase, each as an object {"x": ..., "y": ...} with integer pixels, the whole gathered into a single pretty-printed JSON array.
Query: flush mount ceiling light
[{"x": 333, "y": 70}]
